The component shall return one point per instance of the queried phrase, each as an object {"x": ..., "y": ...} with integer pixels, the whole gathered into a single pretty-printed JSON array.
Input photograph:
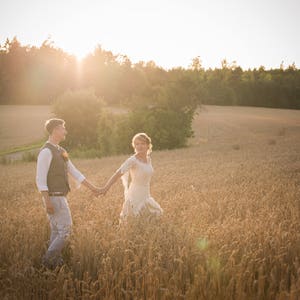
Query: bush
[
  {"x": 168, "y": 129},
  {"x": 95, "y": 132},
  {"x": 81, "y": 110},
  {"x": 107, "y": 125}
]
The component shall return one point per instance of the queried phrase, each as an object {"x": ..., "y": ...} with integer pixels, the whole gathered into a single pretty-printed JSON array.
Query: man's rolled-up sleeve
[
  {"x": 43, "y": 164},
  {"x": 75, "y": 173}
]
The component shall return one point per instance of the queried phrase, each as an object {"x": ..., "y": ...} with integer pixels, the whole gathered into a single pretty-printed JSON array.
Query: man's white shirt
[{"x": 43, "y": 165}]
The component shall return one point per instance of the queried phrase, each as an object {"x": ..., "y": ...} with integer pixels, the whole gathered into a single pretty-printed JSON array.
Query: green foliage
[
  {"x": 31, "y": 75},
  {"x": 22, "y": 148},
  {"x": 85, "y": 153},
  {"x": 168, "y": 129},
  {"x": 81, "y": 110},
  {"x": 107, "y": 127},
  {"x": 5, "y": 160},
  {"x": 30, "y": 156},
  {"x": 161, "y": 103}
]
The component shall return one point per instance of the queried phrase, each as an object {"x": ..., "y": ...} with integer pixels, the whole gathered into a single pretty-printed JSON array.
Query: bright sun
[{"x": 80, "y": 51}]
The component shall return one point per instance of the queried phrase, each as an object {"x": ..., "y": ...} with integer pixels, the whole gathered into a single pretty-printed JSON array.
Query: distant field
[
  {"x": 230, "y": 229},
  {"x": 245, "y": 125},
  {"x": 24, "y": 124},
  {"x": 21, "y": 125}
]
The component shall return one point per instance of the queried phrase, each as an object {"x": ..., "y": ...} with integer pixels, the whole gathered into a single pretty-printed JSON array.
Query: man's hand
[
  {"x": 49, "y": 207},
  {"x": 98, "y": 191},
  {"x": 48, "y": 204},
  {"x": 95, "y": 190},
  {"x": 101, "y": 191}
]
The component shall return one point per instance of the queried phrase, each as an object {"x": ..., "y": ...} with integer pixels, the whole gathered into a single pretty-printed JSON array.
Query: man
[{"x": 53, "y": 166}]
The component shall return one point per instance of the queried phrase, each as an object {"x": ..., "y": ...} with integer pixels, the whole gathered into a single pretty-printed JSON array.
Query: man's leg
[
  {"x": 54, "y": 232},
  {"x": 60, "y": 223}
]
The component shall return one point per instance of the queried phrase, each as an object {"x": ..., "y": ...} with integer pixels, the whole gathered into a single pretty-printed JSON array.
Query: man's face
[{"x": 59, "y": 132}]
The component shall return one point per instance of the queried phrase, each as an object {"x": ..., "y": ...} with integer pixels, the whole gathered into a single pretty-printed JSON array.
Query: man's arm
[
  {"x": 48, "y": 204},
  {"x": 89, "y": 185},
  {"x": 43, "y": 164},
  {"x": 79, "y": 177}
]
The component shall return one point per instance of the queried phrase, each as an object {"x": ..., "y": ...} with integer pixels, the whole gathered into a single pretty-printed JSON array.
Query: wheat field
[{"x": 230, "y": 229}]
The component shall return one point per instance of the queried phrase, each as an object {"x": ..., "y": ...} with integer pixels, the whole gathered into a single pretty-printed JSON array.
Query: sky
[{"x": 171, "y": 33}]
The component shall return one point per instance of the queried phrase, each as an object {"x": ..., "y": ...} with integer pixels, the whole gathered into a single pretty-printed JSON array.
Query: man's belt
[{"x": 56, "y": 194}]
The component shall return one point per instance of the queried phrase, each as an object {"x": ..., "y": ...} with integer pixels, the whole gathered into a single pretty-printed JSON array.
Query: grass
[
  {"x": 230, "y": 228},
  {"x": 22, "y": 148}
]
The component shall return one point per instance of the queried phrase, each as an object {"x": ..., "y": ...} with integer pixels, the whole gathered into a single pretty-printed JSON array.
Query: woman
[{"x": 137, "y": 194}]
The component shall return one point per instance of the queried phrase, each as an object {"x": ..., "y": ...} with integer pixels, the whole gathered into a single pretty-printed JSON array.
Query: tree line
[{"x": 39, "y": 75}]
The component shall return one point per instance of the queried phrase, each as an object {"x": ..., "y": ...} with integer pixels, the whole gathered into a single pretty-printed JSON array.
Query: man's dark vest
[{"x": 57, "y": 178}]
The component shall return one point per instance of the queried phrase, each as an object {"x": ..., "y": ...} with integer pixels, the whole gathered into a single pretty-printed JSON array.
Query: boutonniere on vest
[{"x": 65, "y": 155}]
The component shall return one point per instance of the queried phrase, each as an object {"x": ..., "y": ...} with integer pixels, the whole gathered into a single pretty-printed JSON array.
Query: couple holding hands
[{"x": 53, "y": 167}]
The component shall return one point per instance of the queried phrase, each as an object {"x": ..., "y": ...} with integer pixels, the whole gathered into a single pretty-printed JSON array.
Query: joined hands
[{"x": 97, "y": 191}]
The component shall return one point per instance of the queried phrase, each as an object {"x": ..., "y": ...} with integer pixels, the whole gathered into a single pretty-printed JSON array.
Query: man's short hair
[{"x": 52, "y": 123}]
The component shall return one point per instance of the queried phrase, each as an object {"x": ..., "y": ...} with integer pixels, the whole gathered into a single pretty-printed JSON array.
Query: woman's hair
[{"x": 143, "y": 137}]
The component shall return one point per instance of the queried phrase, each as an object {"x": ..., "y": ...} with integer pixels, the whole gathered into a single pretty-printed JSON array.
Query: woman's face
[{"x": 140, "y": 146}]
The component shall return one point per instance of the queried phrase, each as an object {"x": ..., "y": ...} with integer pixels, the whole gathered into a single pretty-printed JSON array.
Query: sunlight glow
[{"x": 170, "y": 33}]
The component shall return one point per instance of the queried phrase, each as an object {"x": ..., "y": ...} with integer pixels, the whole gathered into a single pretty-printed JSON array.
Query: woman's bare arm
[{"x": 114, "y": 178}]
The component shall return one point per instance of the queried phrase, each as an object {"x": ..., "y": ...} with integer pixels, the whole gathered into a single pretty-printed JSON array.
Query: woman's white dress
[{"x": 137, "y": 192}]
